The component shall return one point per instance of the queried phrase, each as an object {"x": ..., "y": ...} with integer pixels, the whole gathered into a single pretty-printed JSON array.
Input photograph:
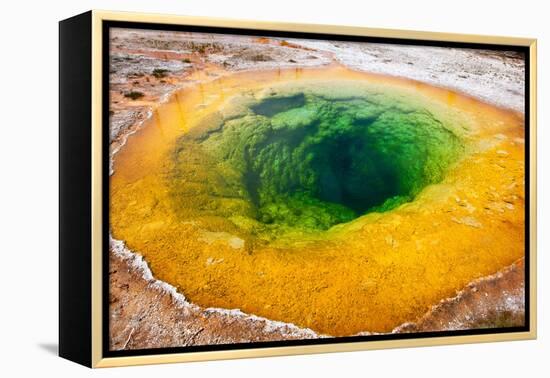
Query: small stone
[
  {"x": 468, "y": 221},
  {"x": 236, "y": 243}
]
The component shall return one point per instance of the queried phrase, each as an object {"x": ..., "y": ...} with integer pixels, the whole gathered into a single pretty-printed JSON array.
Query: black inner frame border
[{"x": 107, "y": 25}]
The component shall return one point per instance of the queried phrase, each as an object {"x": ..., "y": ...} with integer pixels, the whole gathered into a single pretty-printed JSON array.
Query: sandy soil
[{"x": 148, "y": 313}]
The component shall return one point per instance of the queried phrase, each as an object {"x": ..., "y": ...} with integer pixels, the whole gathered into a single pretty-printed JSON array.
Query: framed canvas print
[{"x": 233, "y": 188}]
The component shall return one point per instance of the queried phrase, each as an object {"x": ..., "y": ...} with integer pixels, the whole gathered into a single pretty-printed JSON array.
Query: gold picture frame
[{"x": 82, "y": 258}]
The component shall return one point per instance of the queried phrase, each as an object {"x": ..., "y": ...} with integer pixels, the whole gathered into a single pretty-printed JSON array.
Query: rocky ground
[{"x": 148, "y": 66}]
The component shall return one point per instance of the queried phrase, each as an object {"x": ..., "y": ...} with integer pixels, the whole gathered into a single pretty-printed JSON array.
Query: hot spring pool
[
  {"x": 331, "y": 199},
  {"x": 311, "y": 158}
]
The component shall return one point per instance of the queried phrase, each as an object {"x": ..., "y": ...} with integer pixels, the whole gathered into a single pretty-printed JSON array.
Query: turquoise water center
[{"x": 310, "y": 157}]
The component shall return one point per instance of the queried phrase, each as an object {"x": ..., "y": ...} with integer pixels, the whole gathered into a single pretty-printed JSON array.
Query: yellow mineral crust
[{"x": 372, "y": 274}]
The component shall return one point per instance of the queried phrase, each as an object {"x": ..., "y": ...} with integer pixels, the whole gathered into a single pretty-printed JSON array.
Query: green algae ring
[{"x": 300, "y": 159}]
